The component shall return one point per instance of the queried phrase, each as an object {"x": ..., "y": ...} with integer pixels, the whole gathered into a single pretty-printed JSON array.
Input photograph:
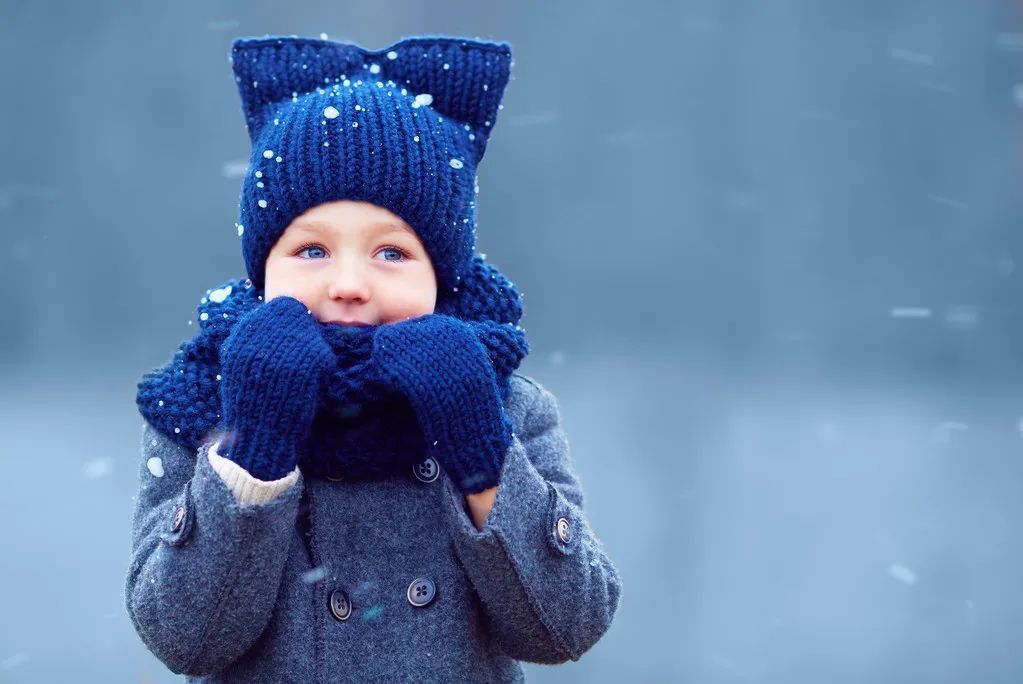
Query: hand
[
  {"x": 272, "y": 367},
  {"x": 441, "y": 366}
]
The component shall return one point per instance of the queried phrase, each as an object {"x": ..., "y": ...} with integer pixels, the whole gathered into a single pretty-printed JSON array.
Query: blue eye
[
  {"x": 315, "y": 249},
  {"x": 394, "y": 250}
]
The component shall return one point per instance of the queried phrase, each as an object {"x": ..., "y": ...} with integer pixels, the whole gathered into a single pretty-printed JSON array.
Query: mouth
[{"x": 358, "y": 323}]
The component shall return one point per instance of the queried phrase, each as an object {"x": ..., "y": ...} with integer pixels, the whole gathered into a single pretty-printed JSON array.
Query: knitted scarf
[{"x": 363, "y": 429}]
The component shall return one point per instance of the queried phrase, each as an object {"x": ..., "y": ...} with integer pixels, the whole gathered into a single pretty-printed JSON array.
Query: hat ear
[
  {"x": 464, "y": 79},
  {"x": 484, "y": 294}
]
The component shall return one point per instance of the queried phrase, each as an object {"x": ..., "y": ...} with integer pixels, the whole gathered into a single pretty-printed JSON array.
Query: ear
[{"x": 465, "y": 78}]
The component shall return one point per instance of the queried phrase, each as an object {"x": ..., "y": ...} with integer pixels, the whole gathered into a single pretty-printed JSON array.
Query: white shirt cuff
[{"x": 246, "y": 488}]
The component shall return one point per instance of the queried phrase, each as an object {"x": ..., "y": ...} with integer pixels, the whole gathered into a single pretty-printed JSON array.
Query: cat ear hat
[{"x": 403, "y": 127}]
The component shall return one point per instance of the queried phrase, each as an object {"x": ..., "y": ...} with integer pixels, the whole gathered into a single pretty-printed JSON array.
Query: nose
[{"x": 348, "y": 281}]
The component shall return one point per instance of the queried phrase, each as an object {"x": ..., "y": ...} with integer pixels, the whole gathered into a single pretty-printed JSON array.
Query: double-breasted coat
[{"x": 232, "y": 579}]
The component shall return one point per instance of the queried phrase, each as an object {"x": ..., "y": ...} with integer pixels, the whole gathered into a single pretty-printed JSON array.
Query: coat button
[
  {"x": 426, "y": 470},
  {"x": 179, "y": 519},
  {"x": 340, "y": 606},
  {"x": 421, "y": 591},
  {"x": 564, "y": 530}
]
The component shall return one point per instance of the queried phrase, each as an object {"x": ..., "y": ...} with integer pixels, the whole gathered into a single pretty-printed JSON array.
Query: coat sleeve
[
  {"x": 548, "y": 596},
  {"x": 205, "y": 568}
]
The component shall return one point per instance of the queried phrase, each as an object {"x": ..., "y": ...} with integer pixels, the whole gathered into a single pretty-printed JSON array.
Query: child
[{"x": 343, "y": 477}]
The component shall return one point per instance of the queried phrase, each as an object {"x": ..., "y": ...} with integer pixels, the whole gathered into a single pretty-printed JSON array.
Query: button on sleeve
[
  {"x": 180, "y": 521},
  {"x": 561, "y": 523}
]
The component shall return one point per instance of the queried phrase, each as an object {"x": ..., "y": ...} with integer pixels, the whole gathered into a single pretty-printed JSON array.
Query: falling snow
[
  {"x": 374, "y": 612},
  {"x": 912, "y": 56},
  {"x": 155, "y": 465},
  {"x": 97, "y": 468},
  {"x": 314, "y": 575},
  {"x": 911, "y": 312},
  {"x": 331, "y": 112},
  {"x": 943, "y": 431},
  {"x": 234, "y": 169},
  {"x": 14, "y": 661},
  {"x": 902, "y": 573},
  {"x": 421, "y": 100},
  {"x": 222, "y": 25},
  {"x": 220, "y": 295}
]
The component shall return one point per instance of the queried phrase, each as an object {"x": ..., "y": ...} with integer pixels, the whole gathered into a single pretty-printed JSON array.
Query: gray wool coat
[{"x": 375, "y": 581}]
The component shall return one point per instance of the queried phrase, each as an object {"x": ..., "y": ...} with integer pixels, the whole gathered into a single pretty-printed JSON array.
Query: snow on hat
[{"x": 403, "y": 127}]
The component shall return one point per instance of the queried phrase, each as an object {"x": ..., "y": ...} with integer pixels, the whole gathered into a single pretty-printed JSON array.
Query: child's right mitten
[{"x": 273, "y": 365}]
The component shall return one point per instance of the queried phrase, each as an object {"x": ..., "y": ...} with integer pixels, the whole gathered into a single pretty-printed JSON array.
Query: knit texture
[
  {"x": 443, "y": 369},
  {"x": 273, "y": 365},
  {"x": 364, "y": 427},
  {"x": 403, "y": 127}
]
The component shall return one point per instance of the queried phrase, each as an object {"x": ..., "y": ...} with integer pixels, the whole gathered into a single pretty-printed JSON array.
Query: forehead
[{"x": 376, "y": 227}]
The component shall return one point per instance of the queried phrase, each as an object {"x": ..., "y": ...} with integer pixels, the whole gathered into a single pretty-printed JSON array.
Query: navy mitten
[
  {"x": 273, "y": 365},
  {"x": 440, "y": 365}
]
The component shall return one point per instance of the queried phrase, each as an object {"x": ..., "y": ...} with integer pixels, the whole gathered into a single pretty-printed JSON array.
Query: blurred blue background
[{"x": 770, "y": 273}]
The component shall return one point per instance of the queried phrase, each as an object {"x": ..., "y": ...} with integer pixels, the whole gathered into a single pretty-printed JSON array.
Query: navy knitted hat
[{"x": 403, "y": 127}]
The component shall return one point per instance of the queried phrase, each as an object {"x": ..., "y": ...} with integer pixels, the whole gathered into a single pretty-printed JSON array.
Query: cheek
[
  {"x": 406, "y": 299},
  {"x": 419, "y": 297},
  {"x": 275, "y": 280},
  {"x": 280, "y": 281},
  {"x": 422, "y": 306}
]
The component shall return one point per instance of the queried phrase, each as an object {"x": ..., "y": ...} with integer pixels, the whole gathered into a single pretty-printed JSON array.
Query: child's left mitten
[{"x": 440, "y": 365}]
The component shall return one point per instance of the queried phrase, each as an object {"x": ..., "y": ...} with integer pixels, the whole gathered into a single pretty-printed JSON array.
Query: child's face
[{"x": 352, "y": 261}]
